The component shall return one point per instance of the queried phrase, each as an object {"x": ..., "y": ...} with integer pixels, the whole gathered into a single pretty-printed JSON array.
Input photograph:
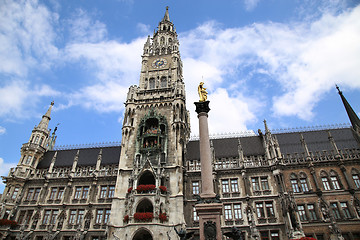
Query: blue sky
[{"x": 277, "y": 60}]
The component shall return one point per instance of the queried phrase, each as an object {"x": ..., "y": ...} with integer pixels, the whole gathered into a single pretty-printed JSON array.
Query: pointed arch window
[
  {"x": 325, "y": 180},
  {"x": 303, "y": 182},
  {"x": 294, "y": 183},
  {"x": 335, "y": 180},
  {"x": 356, "y": 177}
]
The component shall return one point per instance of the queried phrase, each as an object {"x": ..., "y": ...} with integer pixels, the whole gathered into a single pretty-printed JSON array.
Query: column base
[{"x": 209, "y": 220}]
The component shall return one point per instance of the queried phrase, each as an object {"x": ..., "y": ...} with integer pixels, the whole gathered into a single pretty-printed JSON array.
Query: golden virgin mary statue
[{"x": 202, "y": 92}]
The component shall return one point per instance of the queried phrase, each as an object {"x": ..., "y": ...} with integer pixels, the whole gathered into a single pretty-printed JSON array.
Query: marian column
[{"x": 208, "y": 207}]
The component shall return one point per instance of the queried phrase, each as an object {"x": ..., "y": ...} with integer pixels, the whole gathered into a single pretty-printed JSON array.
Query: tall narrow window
[
  {"x": 152, "y": 83},
  {"x": 274, "y": 235},
  {"x": 234, "y": 185},
  {"x": 163, "y": 82},
  {"x": 335, "y": 210},
  {"x": 264, "y": 235},
  {"x": 345, "y": 209},
  {"x": 260, "y": 210},
  {"x": 325, "y": 182},
  {"x": 30, "y": 193},
  {"x": 36, "y": 194},
  {"x": 356, "y": 179},
  {"x": 46, "y": 218},
  {"x": 335, "y": 182},
  {"x": 312, "y": 213},
  {"x": 295, "y": 185},
  {"x": 85, "y": 193},
  {"x": 195, "y": 187},
  {"x": 72, "y": 216},
  {"x": 303, "y": 182},
  {"x": 255, "y": 184},
  {"x": 54, "y": 215},
  {"x": 80, "y": 216},
  {"x": 53, "y": 193},
  {"x": 227, "y": 212},
  {"x": 106, "y": 216},
  {"x": 225, "y": 185},
  {"x": 237, "y": 211},
  {"x": 264, "y": 183},
  {"x": 21, "y": 217},
  {"x": 195, "y": 216},
  {"x": 77, "y": 193},
  {"x": 60, "y": 193},
  {"x": 15, "y": 193},
  {"x": 99, "y": 216},
  {"x": 302, "y": 213},
  {"x": 103, "y": 191},
  {"x": 111, "y": 191},
  {"x": 269, "y": 209}
]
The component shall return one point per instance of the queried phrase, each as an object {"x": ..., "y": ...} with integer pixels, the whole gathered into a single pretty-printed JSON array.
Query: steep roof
[
  {"x": 87, "y": 157},
  {"x": 224, "y": 148},
  {"x": 289, "y": 143}
]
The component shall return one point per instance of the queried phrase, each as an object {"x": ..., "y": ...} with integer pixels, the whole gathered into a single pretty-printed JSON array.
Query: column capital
[{"x": 202, "y": 107}]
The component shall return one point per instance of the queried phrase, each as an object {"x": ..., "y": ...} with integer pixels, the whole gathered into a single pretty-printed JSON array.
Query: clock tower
[{"x": 149, "y": 195}]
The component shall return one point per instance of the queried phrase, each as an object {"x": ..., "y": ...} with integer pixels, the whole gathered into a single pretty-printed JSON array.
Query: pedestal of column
[{"x": 208, "y": 208}]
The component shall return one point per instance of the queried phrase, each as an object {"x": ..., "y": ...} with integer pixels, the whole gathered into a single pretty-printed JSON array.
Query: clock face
[{"x": 159, "y": 63}]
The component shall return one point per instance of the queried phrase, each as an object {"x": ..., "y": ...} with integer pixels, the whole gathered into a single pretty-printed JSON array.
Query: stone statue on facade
[
  {"x": 202, "y": 92},
  {"x": 183, "y": 235}
]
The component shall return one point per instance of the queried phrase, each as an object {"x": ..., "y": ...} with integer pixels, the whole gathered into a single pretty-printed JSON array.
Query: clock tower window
[{"x": 152, "y": 83}]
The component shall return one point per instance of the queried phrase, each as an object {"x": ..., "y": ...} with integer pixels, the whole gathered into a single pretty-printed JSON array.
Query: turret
[{"x": 33, "y": 150}]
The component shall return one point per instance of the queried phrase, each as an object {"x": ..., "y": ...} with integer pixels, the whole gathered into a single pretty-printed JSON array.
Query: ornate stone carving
[{"x": 210, "y": 230}]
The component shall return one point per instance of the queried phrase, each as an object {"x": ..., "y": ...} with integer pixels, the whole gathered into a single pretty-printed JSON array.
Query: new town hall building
[{"x": 272, "y": 186}]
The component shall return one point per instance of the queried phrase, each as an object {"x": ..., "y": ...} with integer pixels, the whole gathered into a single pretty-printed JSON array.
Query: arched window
[
  {"x": 294, "y": 183},
  {"x": 162, "y": 40},
  {"x": 303, "y": 182},
  {"x": 335, "y": 180},
  {"x": 145, "y": 205},
  {"x": 143, "y": 234},
  {"x": 325, "y": 180},
  {"x": 163, "y": 82},
  {"x": 152, "y": 83},
  {"x": 147, "y": 178},
  {"x": 356, "y": 177}
]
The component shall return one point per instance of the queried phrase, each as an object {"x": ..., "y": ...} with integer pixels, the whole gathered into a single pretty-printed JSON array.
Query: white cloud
[
  {"x": 18, "y": 98},
  {"x": 251, "y": 4},
  {"x": 302, "y": 61},
  {"x": 2, "y": 130},
  {"x": 84, "y": 29},
  {"x": 26, "y": 37}
]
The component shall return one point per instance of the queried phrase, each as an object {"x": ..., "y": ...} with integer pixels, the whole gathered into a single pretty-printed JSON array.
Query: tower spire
[
  {"x": 354, "y": 119},
  {"x": 44, "y": 123},
  {"x": 166, "y": 17}
]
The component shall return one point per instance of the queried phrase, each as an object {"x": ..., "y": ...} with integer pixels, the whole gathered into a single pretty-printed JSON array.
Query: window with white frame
[
  {"x": 335, "y": 210},
  {"x": 225, "y": 185},
  {"x": 356, "y": 177},
  {"x": 312, "y": 212},
  {"x": 50, "y": 216},
  {"x": 107, "y": 191},
  {"x": 195, "y": 216},
  {"x": 76, "y": 216},
  {"x": 234, "y": 185},
  {"x": 260, "y": 183},
  {"x": 15, "y": 193},
  {"x": 228, "y": 212},
  {"x": 302, "y": 213},
  {"x": 265, "y": 209},
  {"x": 102, "y": 216},
  {"x": 195, "y": 187},
  {"x": 345, "y": 209}
]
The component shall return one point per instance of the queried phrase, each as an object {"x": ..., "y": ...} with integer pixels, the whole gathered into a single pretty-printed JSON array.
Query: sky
[{"x": 277, "y": 60}]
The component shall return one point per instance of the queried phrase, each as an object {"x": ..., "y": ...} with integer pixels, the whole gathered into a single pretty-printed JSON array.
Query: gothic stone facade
[{"x": 272, "y": 186}]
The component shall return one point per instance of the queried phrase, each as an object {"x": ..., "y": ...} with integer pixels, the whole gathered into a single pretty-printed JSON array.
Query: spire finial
[
  {"x": 166, "y": 17},
  {"x": 337, "y": 87},
  {"x": 266, "y": 126}
]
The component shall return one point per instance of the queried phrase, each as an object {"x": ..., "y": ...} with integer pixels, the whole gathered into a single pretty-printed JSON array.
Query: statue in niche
[{"x": 202, "y": 92}]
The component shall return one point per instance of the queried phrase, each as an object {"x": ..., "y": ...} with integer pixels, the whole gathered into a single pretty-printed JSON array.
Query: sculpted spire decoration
[{"x": 202, "y": 92}]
